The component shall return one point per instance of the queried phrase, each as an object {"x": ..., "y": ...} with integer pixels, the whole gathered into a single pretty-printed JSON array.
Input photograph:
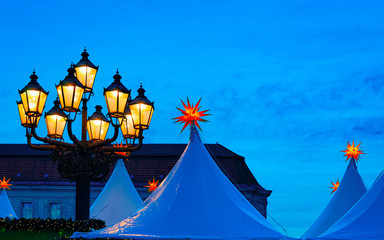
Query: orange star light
[
  {"x": 124, "y": 154},
  {"x": 335, "y": 186},
  {"x": 152, "y": 185},
  {"x": 4, "y": 183},
  {"x": 353, "y": 151},
  {"x": 191, "y": 115}
]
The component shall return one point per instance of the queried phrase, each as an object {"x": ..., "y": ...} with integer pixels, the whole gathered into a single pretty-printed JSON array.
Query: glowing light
[
  {"x": 152, "y": 185},
  {"x": 335, "y": 186},
  {"x": 353, "y": 151},
  {"x": 4, "y": 183},
  {"x": 191, "y": 115},
  {"x": 125, "y": 154}
]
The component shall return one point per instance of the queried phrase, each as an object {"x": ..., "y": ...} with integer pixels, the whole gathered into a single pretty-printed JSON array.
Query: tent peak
[
  {"x": 194, "y": 137},
  {"x": 352, "y": 163}
]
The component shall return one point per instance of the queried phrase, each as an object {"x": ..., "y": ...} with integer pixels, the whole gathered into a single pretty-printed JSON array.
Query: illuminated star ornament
[
  {"x": 152, "y": 185},
  {"x": 123, "y": 154},
  {"x": 335, "y": 186},
  {"x": 353, "y": 151},
  {"x": 4, "y": 183},
  {"x": 191, "y": 115}
]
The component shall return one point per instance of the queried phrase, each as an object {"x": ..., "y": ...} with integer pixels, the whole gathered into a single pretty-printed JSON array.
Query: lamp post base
[{"x": 82, "y": 197}]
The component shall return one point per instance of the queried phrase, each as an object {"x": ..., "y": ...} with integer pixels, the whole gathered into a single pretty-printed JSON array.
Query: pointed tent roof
[
  {"x": 350, "y": 190},
  {"x": 6, "y": 209},
  {"x": 195, "y": 201},
  {"x": 119, "y": 198},
  {"x": 365, "y": 220}
]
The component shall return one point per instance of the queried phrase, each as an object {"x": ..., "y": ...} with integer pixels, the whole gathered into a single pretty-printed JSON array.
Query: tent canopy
[
  {"x": 6, "y": 209},
  {"x": 350, "y": 190},
  {"x": 118, "y": 199},
  {"x": 365, "y": 220},
  {"x": 196, "y": 201}
]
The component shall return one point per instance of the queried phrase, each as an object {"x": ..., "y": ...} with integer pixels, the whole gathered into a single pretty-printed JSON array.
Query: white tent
[
  {"x": 365, "y": 220},
  {"x": 195, "y": 201},
  {"x": 6, "y": 209},
  {"x": 350, "y": 190},
  {"x": 119, "y": 198}
]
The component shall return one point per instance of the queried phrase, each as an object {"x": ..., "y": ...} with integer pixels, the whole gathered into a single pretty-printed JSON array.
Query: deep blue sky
[{"x": 287, "y": 82}]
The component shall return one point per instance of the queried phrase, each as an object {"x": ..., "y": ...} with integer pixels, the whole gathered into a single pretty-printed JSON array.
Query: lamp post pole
[{"x": 84, "y": 160}]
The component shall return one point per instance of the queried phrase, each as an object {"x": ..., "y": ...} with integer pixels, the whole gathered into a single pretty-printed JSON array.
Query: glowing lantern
[
  {"x": 56, "y": 120},
  {"x": 70, "y": 91},
  {"x": 86, "y": 71},
  {"x": 4, "y": 183},
  {"x": 141, "y": 110},
  {"x": 126, "y": 125},
  {"x": 152, "y": 185},
  {"x": 191, "y": 114},
  {"x": 97, "y": 125},
  {"x": 116, "y": 96},
  {"x": 27, "y": 121},
  {"x": 353, "y": 151},
  {"x": 33, "y": 97},
  {"x": 335, "y": 186}
]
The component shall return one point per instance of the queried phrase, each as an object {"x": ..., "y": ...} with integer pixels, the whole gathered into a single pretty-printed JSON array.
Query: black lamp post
[{"x": 84, "y": 160}]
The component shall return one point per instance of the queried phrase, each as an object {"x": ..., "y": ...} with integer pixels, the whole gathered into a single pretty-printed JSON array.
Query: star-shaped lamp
[
  {"x": 353, "y": 151},
  {"x": 335, "y": 186},
  {"x": 4, "y": 184},
  {"x": 152, "y": 185},
  {"x": 191, "y": 115},
  {"x": 123, "y": 154}
]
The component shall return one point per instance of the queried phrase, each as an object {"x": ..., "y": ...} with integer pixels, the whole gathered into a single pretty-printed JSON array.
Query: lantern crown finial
[
  {"x": 117, "y": 76},
  {"x": 98, "y": 115},
  {"x": 98, "y": 108},
  {"x": 56, "y": 103},
  {"x": 141, "y": 90},
  {"x": 33, "y": 77},
  {"x": 71, "y": 71},
  {"x": 85, "y": 54}
]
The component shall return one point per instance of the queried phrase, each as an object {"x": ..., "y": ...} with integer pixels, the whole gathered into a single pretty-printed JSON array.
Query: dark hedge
[{"x": 56, "y": 225}]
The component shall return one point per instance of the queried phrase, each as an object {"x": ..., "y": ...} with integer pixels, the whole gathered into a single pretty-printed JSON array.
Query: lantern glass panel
[
  {"x": 141, "y": 114},
  {"x": 97, "y": 129},
  {"x": 55, "y": 125},
  {"x": 127, "y": 127},
  {"x": 69, "y": 95},
  {"x": 116, "y": 102},
  {"x": 33, "y": 101},
  {"x": 27, "y": 121},
  {"x": 86, "y": 76}
]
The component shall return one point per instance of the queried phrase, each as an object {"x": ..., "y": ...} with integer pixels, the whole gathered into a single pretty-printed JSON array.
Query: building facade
[{"x": 39, "y": 191}]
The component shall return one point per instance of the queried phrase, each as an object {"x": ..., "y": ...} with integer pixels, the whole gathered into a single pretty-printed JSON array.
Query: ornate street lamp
[
  {"x": 142, "y": 110},
  {"x": 85, "y": 159},
  {"x": 126, "y": 125},
  {"x": 33, "y": 97},
  {"x": 56, "y": 120},
  {"x": 86, "y": 71},
  {"x": 70, "y": 91},
  {"x": 97, "y": 125},
  {"x": 26, "y": 121},
  {"x": 116, "y": 96}
]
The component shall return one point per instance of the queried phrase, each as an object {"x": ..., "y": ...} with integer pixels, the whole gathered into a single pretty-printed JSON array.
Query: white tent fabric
[
  {"x": 195, "y": 201},
  {"x": 350, "y": 190},
  {"x": 6, "y": 209},
  {"x": 365, "y": 220},
  {"x": 119, "y": 198}
]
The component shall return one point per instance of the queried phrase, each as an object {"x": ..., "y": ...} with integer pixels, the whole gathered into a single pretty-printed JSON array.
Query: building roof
[
  {"x": 162, "y": 149},
  {"x": 23, "y": 164}
]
